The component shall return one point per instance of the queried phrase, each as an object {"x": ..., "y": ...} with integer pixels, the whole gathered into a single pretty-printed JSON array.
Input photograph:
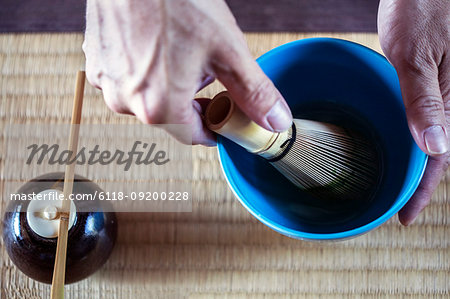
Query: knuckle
[
  {"x": 182, "y": 116},
  {"x": 114, "y": 105},
  {"x": 257, "y": 96},
  {"x": 93, "y": 74},
  {"x": 414, "y": 57},
  {"x": 112, "y": 96},
  {"x": 429, "y": 104},
  {"x": 150, "y": 110},
  {"x": 418, "y": 65},
  {"x": 223, "y": 61},
  {"x": 154, "y": 117}
]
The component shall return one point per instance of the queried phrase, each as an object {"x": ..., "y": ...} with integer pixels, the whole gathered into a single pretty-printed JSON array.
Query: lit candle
[{"x": 43, "y": 213}]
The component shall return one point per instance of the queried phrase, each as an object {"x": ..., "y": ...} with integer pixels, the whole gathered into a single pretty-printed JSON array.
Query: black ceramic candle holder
[{"x": 90, "y": 241}]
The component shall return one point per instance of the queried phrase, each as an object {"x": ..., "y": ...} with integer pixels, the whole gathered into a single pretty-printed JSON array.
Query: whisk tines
[{"x": 324, "y": 159}]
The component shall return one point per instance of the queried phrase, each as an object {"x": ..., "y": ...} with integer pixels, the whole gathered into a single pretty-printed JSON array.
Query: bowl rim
[{"x": 400, "y": 202}]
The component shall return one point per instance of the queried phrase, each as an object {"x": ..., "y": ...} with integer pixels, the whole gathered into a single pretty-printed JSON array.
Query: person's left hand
[{"x": 415, "y": 36}]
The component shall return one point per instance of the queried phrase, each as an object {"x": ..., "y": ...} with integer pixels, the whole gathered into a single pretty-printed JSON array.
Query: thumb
[
  {"x": 252, "y": 90},
  {"x": 424, "y": 107}
]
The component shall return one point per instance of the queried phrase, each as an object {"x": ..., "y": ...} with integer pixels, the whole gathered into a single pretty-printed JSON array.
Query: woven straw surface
[{"x": 218, "y": 250}]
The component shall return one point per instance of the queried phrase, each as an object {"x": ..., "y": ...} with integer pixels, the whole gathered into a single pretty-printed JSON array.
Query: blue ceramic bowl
[{"x": 325, "y": 72}]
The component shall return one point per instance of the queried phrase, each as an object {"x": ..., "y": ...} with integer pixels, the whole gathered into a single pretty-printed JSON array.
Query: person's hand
[
  {"x": 150, "y": 57},
  {"x": 415, "y": 36}
]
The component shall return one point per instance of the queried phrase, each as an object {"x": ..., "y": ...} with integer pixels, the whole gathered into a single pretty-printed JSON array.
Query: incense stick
[{"x": 59, "y": 271}]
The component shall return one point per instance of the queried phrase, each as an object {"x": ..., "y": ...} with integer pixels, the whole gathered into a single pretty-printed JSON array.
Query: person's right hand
[{"x": 150, "y": 57}]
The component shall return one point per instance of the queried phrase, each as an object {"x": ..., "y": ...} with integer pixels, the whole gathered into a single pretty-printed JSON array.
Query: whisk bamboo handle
[{"x": 224, "y": 117}]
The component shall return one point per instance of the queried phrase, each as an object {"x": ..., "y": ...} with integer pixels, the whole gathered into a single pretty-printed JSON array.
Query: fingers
[
  {"x": 424, "y": 106},
  {"x": 195, "y": 132},
  {"x": 151, "y": 109},
  {"x": 200, "y": 133},
  {"x": 435, "y": 169},
  {"x": 251, "y": 89},
  {"x": 112, "y": 98},
  {"x": 437, "y": 165}
]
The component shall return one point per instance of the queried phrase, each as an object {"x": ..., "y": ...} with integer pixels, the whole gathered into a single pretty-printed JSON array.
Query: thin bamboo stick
[{"x": 59, "y": 271}]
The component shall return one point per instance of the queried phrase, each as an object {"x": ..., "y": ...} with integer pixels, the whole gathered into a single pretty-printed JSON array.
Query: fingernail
[
  {"x": 436, "y": 140},
  {"x": 279, "y": 117}
]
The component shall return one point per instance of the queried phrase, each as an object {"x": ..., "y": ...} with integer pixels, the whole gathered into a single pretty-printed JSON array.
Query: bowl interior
[{"x": 330, "y": 73}]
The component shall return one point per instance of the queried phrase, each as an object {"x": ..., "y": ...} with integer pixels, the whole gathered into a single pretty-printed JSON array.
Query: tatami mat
[{"x": 218, "y": 250}]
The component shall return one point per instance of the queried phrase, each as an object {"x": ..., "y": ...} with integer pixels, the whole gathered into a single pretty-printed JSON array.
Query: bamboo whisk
[{"x": 326, "y": 160}]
